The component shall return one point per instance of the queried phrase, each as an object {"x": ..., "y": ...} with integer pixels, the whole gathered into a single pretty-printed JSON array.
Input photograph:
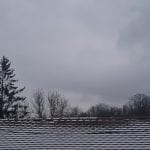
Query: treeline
[
  {"x": 53, "y": 104},
  {"x": 138, "y": 105}
]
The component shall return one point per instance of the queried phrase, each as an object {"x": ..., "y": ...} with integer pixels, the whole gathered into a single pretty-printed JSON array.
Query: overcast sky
[{"x": 90, "y": 50}]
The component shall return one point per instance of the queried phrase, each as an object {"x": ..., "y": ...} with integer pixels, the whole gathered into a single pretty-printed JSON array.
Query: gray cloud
[{"x": 93, "y": 51}]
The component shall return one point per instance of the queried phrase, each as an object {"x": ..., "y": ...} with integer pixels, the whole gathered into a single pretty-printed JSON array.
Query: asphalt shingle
[{"x": 76, "y": 133}]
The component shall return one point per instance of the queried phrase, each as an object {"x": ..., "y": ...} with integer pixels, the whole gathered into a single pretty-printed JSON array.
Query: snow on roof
[{"x": 76, "y": 133}]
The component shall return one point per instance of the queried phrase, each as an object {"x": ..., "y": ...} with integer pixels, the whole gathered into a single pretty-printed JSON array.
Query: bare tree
[
  {"x": 38, "y": 103},
  {"x": 104, "y": 110},
  {"x": 74, "y": 112},
  {"x": 139, "y": 105},
  {"x": 57, "y": 104}
]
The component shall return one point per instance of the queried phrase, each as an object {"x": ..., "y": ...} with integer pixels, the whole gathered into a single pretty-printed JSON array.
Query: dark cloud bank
[{"x": 91, "y": 50}]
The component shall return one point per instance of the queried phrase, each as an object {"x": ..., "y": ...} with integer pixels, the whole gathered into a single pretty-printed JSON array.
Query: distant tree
[
  {"x": 104, "y": 110},
  {"x": 12, "y": 105},
  {"x": 74, "y": 112},
  {"x": 99, "y": 110},
  {"x": 57, "y": 105},
  {"x": 138, "y": 104},
  {"x": 116, "y": 111},
  {"x": 39, "y": 103}
]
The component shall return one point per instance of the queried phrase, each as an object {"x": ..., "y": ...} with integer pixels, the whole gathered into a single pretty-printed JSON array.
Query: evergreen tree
[{"x": 12, "y": 105}]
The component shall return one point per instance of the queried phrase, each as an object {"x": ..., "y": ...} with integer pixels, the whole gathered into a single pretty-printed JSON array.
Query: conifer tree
[{"x": 12, "y": 105}]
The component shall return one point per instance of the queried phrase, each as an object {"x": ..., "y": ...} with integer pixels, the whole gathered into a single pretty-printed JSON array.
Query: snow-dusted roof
[{"x": 76, "y": 134}]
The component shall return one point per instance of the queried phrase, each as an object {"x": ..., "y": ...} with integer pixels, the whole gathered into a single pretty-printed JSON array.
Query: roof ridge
[{"x": 81, "y": 118}]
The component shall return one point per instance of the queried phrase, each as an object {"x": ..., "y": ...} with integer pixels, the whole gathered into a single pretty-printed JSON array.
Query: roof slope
[{"x": 74, "y": 134}]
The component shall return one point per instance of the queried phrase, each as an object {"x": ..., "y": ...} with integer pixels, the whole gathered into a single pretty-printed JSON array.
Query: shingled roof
[{"x": 76, "y": 133}]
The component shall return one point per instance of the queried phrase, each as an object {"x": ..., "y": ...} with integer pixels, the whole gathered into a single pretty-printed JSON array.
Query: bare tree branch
[
  {"x": 38, "y": 103},
  {"x": 57, "y": 104}
]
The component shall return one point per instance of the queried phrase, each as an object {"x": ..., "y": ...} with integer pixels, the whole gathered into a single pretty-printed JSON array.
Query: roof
[{"x": 76, "y": 133}]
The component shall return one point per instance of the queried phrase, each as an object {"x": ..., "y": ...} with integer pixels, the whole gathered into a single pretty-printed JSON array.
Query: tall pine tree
[{"x": 12, "y": 105}]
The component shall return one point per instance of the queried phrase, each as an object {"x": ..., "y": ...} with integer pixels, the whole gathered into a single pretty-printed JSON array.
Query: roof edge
[{"x": 82, "y": 118}]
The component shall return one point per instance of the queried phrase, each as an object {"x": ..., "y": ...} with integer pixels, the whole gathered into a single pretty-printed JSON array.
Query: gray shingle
[{"x": 76, "y": 133}]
